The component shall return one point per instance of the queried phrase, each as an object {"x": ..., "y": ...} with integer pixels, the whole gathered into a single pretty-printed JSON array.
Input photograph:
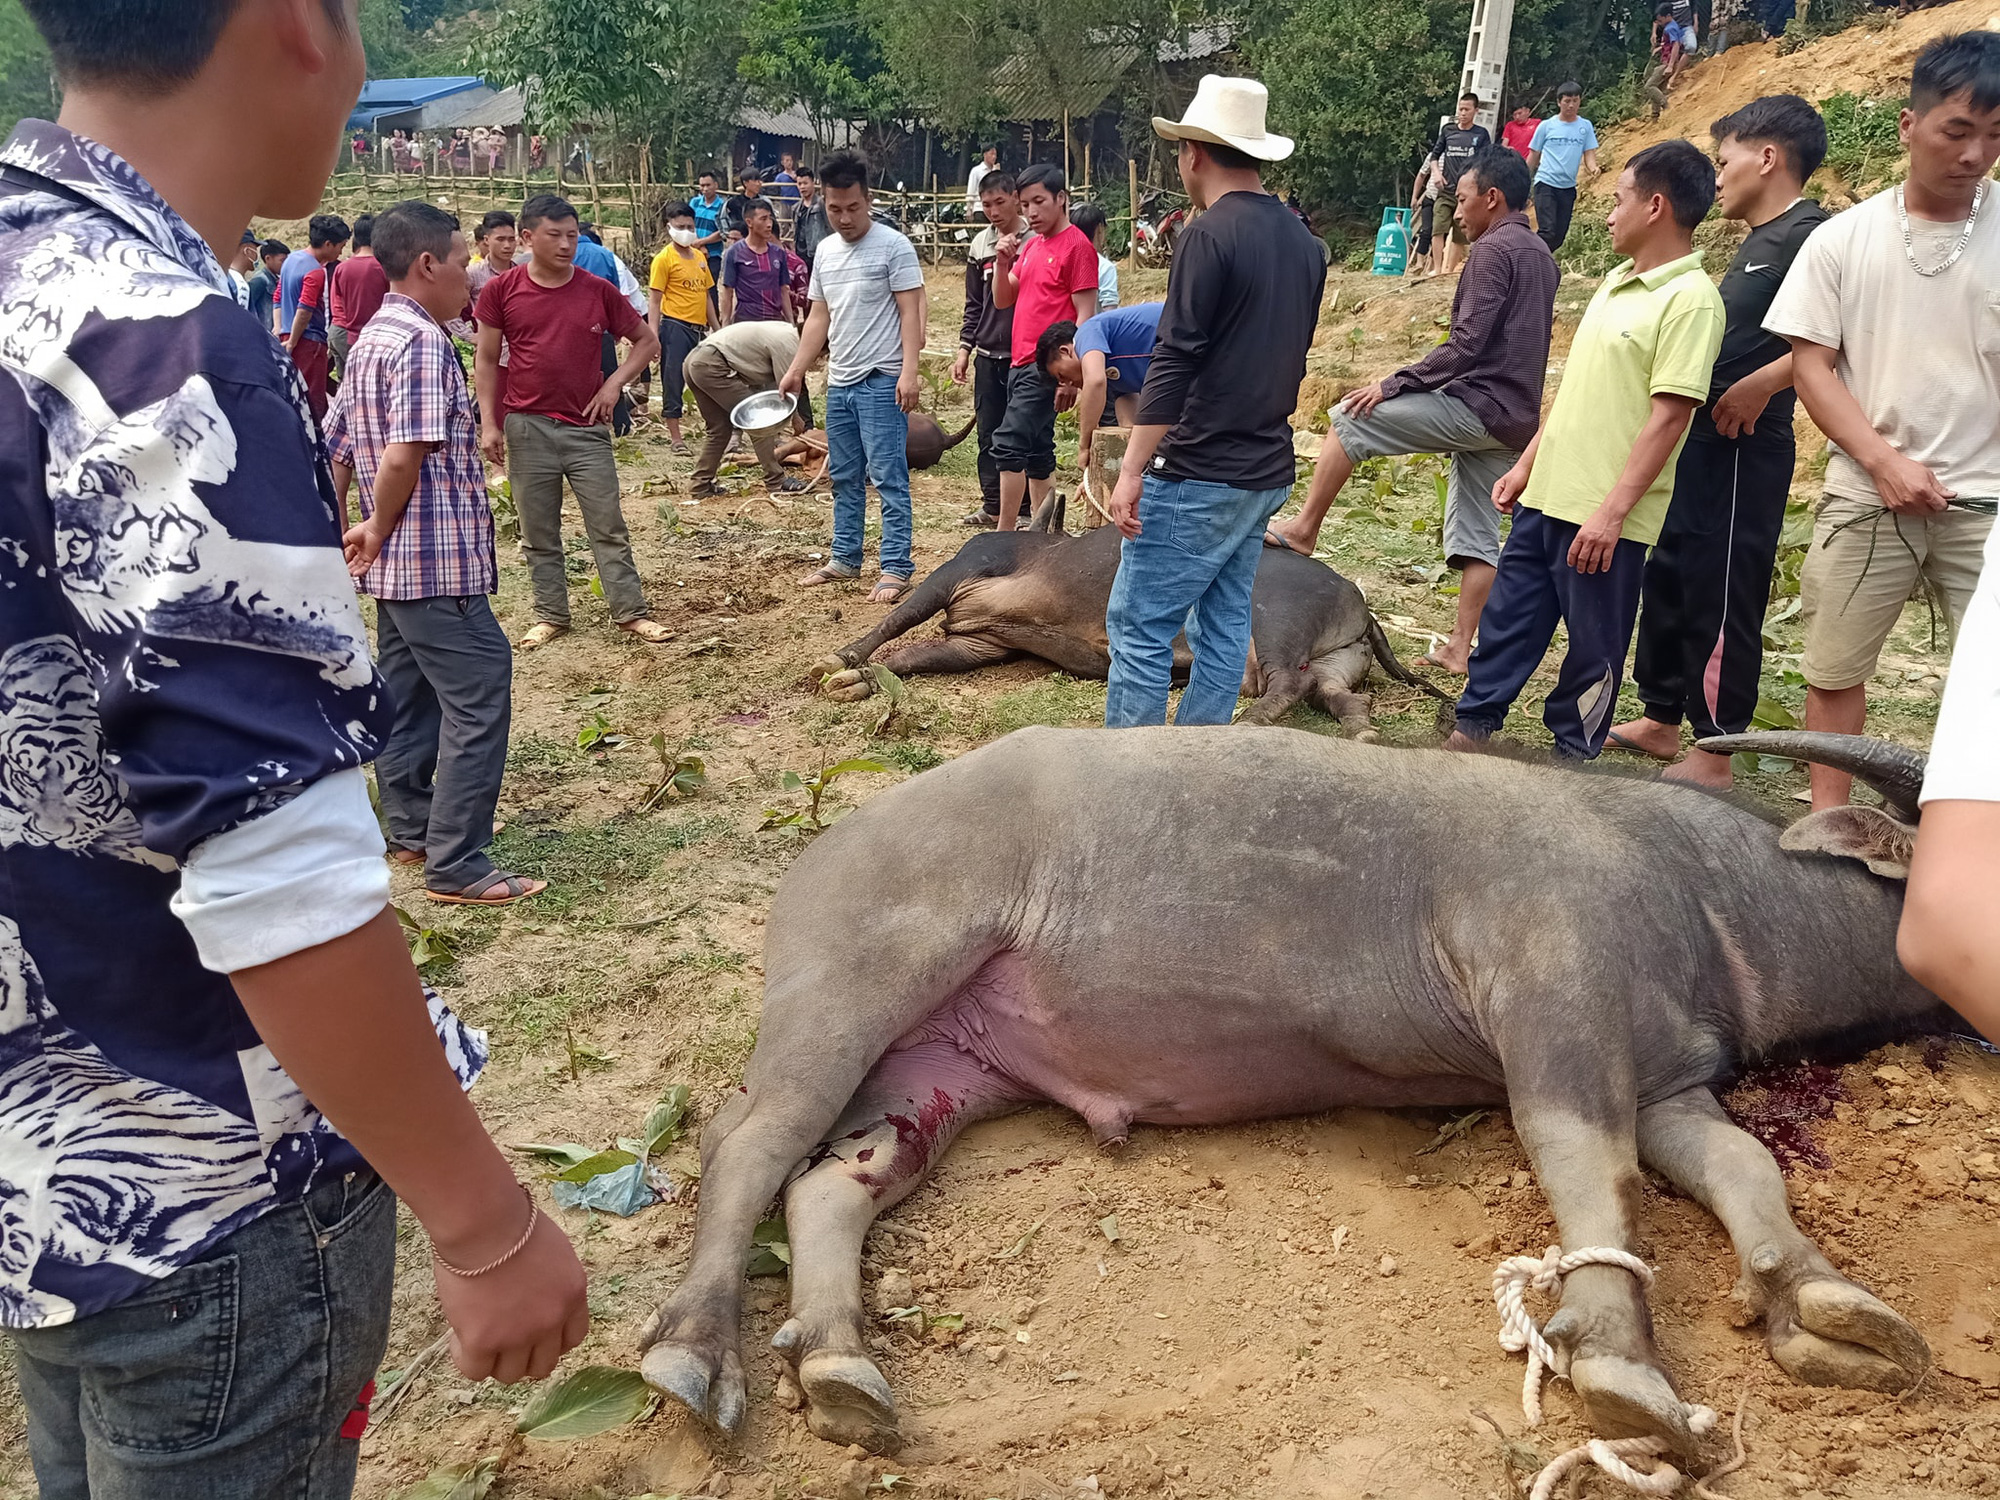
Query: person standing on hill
[
  {"x": 1708, "y": 582},
  {"x": 264, "y": 282},
  {"x": 785, "y": 193},
  {"x": 1591, "y": 492},
  {"x": 986, "y": 334},
  {"x": 868, "y": 317},
  {"x": 359, "y": 285},
  {"x": 222, "y": 1071},
  {"x": 1044, "y": 279},
  {"x": 1090, "y": 219},
  {"x": 1891, "y": 315},
  {"x": 303, "y": 304},
  {"x": 1210, "y": 458},
  {"x": 711, "y": 228},
  {"x": 1562, "y": 149},
  {"x": 678, "y": 311},
  {"x": 1457, "y": 144},
  {"x": 1518, "y": 134},
  {"x": 546, "y": 418},
  {"x": 1477, "y": 396}
]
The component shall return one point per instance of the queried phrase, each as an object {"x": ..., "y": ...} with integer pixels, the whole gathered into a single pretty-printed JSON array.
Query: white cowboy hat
[{"x": 1228, "y": 112}]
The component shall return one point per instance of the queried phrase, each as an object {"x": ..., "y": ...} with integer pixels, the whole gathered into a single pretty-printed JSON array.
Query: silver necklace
[{"x": 1964, "y": 238}]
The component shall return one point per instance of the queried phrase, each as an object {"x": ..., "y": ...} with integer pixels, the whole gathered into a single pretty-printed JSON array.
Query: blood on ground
[{"x": 1778, "y": 1105}]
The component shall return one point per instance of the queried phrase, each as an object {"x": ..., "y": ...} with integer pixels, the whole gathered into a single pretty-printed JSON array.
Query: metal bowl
[{"x": 767, "y": 411}]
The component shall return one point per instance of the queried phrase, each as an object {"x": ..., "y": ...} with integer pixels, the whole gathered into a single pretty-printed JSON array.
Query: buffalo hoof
[
  {"x": 848, "y": 686},
  {"x": 709, "y": 1386},
  {"x": 827, "y": 666},
  {"x": 847, "y": 1400},
  {"x": 1629, "y": 1398},
  {"x": 1832, "y": 1332}
]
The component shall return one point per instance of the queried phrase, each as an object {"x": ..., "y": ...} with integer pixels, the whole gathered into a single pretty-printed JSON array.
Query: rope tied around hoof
[{"x": 1512, "y": 1280}]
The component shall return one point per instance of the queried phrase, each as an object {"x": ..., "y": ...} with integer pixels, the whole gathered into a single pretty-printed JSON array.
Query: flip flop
[
  {"x": 1282, "y": 544},
  {"x": 652, "y": 632},
  {"x": 511, "y": 888},
  {"x": 407, "y": 856},
  {"x": 1615, "y": 738},
  {"x": 542, "y": 634},
  {"x": 889, "y": 589},
  {"x": 831, "y": 573}
]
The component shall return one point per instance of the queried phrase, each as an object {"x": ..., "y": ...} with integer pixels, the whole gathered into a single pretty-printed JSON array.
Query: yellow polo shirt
[
  {"x": 1642, "y": 336},
  {"x": 682, "y": 282}
]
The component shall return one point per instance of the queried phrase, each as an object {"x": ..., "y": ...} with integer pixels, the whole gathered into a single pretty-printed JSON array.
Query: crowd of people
[{"x": 189, "y": 695}]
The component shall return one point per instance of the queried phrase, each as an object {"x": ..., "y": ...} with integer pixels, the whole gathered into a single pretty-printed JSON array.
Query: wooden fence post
[{"x": 1132, "y": 173}]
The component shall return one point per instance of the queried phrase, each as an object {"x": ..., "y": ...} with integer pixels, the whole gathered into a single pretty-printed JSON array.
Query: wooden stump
[{"x": 1107, "y": 452}]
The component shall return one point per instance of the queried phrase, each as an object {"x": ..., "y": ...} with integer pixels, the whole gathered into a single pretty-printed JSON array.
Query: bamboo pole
[
  {"x": 1066, "y": 168},
  {"x": 1132, "y": 174}
]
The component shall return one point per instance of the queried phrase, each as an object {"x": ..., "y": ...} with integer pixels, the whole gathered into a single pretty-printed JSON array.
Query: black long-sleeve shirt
[
  {"x": 1498, "y": 352},
  {"x": 1242, "y": 302},
  {"x": 985, "y": 327}
]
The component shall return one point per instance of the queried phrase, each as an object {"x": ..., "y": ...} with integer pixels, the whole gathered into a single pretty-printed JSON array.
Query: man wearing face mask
[{"x": 679, "y": 310}]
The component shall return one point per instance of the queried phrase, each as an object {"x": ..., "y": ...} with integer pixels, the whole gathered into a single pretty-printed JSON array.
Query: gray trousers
[
  {"x": 452, "y": 672},
  {"x": 1432, "y": 422},
  {"x": 541, "y": 454},
  {"x": 717, "y": 390}
]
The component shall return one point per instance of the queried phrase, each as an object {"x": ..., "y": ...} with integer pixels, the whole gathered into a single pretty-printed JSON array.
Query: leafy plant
[
  {"x": 595, "y": 1399},
  {"x": 892, "y": 692},
  {"x": 506, "y": 514},
  {"x": 667, "y": 1122},
  {"x": 597, "y": 734},
  {"x": 680, "y": 776},
  {"x": 456, "y": 1481},
  {"x": 595, "y": 1166},
  {"x": 427, "y": 944},
  {"x": 1862, "y": 140},
  {"x": 816, "y": 816}
]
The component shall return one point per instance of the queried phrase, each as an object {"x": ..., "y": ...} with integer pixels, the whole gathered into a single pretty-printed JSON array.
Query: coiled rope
[{"x": 1512, "y": 1280}]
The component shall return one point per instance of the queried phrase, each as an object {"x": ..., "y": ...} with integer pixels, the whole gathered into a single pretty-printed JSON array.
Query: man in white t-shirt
[
  {"x": 989, "y": 161},
  {"x": 868, "y": 311},
  {"x": 1949, "y": 940},
  {"x": 1895, "y": 331}
]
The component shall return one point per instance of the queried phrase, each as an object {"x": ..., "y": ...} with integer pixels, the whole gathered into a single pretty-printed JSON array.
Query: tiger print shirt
[{"x": 181, "y": 653}]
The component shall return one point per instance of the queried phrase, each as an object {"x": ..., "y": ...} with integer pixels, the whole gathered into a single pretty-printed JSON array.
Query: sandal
[
  {"x": 831, "y": 573},
  {"x": 1284, "y": 544},
  {"x": 497, "y": 889},
  {"x": 889, "y": 589},
  {"x": 407, "y": 856},
  {"x": 542, "y": 634},
  {"x": 652, "y": 632}
]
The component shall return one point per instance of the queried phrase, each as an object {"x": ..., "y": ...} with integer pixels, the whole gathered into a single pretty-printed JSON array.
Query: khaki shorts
[
  {"x": 1447, "y": 222},
  {"x": 1865, "y": 563}
]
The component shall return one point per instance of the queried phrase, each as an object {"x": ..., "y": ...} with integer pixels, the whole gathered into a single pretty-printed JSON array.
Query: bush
[{"x": 1861, "y": 139}]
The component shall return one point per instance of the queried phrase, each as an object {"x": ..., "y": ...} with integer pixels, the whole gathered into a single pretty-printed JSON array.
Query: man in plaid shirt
[{"x": 404, "y": 425}]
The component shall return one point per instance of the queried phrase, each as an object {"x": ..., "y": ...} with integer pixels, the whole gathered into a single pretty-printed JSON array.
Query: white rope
[{"x": 1512, "y": 1280}]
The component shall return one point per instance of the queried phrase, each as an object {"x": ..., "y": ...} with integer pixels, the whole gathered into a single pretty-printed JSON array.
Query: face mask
[{"x": 682, "y": 237}]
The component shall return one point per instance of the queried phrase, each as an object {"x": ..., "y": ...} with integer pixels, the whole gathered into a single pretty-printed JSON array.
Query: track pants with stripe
[{"x": 1708, "y": 582}]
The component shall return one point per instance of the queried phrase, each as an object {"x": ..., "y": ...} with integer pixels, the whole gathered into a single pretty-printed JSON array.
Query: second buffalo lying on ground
[{"x": 1043, "y": 593}]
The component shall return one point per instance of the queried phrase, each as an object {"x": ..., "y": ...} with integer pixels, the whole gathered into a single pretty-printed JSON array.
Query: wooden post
[
  {"x": 1066, "y": 169},
  {"x": 590, "y": 175},
  {"x": 1107, "y": 454},
  {"x": 1132, "y": 173}
]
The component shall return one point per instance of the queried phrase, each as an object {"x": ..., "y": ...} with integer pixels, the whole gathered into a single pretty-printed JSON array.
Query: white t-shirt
[
  {"x": 972, "y": 180},
  {"x": 1107, "y": 283},
  {"x": 858, "y": 281},
  {"x": 1920, "y": 353},
  {"x": 1965, "y": 767}
]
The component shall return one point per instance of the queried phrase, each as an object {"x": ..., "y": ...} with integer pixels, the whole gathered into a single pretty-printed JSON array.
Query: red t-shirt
[
  {"x": 1051, "y": 272},
  {"x": 1519, "y": 134},
  {"x": 555, "y": 339},
  {"x": 359, "y": 285}
]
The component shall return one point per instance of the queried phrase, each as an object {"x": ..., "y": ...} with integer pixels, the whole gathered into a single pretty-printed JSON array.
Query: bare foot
[
  {"x": 1647, "y": 737},
  {"x": 1450, "y": 657},
  {"x": 1702, "y": 768}
]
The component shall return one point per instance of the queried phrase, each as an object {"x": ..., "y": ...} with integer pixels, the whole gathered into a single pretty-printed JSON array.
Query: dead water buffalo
[
  {"x": 1111, "y": 921},
  {"x": 1043, "y": 593},
  {"x": 926, "y": 444}
]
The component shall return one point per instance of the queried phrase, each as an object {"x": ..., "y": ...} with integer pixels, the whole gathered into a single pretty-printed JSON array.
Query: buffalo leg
[
  {"x": 927, "y": 599},
  {"x": 1335, "y": 678},
  {"x": 951, "y": 653},
  {"x": 1573, "y": 1097},
  {"x": 899, "y": 1125},
  {"x": 1819, "y": 1326}
]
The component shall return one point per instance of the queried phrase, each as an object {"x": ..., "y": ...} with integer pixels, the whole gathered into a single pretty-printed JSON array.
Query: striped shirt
[{"x": 404, "y": 384}]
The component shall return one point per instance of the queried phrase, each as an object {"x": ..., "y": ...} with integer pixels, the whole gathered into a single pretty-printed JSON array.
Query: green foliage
[
  {"x": 681, "y": 775},
  {"x": 770, "y": 1249},
  {"x": 1862, "y": 142},
  {"x": 470, "y": 1481},
  {"x": 820, "y": 53},
  {"x": 27, "y": 86},
  {"x": 815, "y": 816},
  {"x": 595, "y": 1399}
]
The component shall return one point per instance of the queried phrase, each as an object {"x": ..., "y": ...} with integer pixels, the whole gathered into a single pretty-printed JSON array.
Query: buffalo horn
[{"x": 1895, "y": 772}]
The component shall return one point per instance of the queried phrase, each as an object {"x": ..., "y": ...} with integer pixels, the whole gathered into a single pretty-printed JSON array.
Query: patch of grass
[
  {"x": 911, "y": 756},
  {"x": 1861, "y": 137},
  {"x": 1058, "y": 699},
  {"x": 585, "y": 866},
  {"x": 541, "y": 754}
]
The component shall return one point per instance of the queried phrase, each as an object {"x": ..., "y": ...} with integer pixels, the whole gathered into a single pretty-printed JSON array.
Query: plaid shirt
[{"x": 404, "y": 384}]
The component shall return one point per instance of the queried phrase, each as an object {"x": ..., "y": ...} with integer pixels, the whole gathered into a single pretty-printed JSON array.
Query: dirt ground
[{"x": 1292, "y": 1308}]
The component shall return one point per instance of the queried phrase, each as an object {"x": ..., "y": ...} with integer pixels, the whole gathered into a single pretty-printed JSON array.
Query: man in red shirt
[
  {"x": 1518, "y": 134},
  {"x": 1049, "y": 278},
  {"x": 544, "y": 416},
  {"x": 359, "y": 285}
]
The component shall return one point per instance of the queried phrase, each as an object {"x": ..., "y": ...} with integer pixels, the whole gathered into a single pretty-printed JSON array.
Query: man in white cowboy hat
[{"x": 1210, "y": 459}]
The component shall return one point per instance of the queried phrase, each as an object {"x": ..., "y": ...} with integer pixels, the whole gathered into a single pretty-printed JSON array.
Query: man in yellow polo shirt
[
  {"x": 679, "y": 313},
  {"x": 1592, "y": 488}
]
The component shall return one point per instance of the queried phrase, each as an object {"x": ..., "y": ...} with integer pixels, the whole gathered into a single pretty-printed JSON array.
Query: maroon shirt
[
  {"x": 555, "y": 340},
  {"x": 1498, "y": 352},
  {"x": 359, "y": 285}
]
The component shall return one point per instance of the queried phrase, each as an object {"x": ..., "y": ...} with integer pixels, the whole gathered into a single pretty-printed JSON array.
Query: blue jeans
[
  {"x": 1535, "y": 589},
  {"x": 867, "y": 438},
  {"x": 1191, "y": 566},
  {"x": 239, "y": 1377}
]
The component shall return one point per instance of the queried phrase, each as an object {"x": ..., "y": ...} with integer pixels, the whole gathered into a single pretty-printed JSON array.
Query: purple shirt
[
  {"x": 1498, "y": 351},
  {"x": 404, "y": 384},
  {"x": 758, "y": 281}
]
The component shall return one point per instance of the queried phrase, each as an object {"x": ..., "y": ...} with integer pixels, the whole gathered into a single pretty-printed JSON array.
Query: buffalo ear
[{"x": 1865, "y": 833}]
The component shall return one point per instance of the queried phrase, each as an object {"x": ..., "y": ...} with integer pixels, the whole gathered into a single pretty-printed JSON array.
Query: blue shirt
[
  {"x": 1125, "y": 337},
  {"x": 1562, "y": 144},
  {"x": 707, "y": 220},
  {"x": 291, "y": 281},
  {"x": 181, "y": 653},
  {"x": 785, "y": 187},
  {"x": 594, "y": 258}
]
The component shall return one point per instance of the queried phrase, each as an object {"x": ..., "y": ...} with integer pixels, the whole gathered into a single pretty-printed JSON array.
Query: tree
[
  {"x": 821, "y": 54},
  {"x": 27, "y": 83}
]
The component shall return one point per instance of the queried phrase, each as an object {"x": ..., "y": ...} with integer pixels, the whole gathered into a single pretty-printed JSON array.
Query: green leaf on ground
[
  {"x": 563, "y": 1153},
  {"x": 771, "y": 1250},
  {"x": 596, "y": 1166},
  {"x": 1109, "y": 1227},
  {"x": 595, "y": 1399},
  {"x": 666, "y": 1123},
  {"x": 456, "y": 1481}
]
